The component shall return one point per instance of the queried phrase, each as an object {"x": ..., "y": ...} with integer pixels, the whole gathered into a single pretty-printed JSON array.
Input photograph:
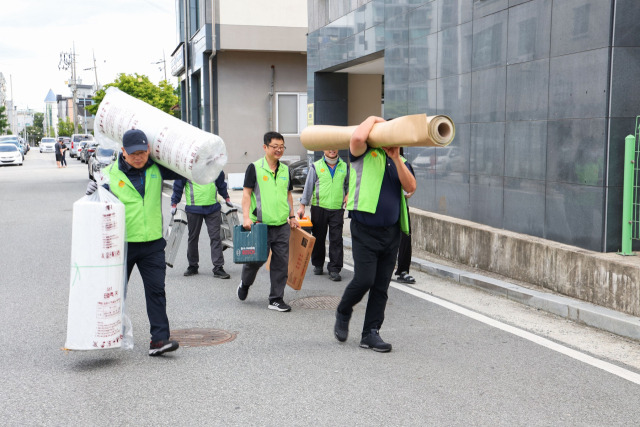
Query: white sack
[
  {"x": 193, "y": 153},
  {"x": 97, "y": 285}
]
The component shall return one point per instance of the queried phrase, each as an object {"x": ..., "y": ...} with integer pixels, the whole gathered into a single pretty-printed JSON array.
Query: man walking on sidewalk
[
  {"x": 202, "y": 205},
  {"x": 326, "y": 187}
]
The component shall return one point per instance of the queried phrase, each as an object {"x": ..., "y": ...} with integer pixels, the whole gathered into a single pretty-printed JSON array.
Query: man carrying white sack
[
  {"x": 202, "y": 205},
  {"x": 326, "y": 188},
  {"x": 136, "y": 180},
  {"x": 266, "y": 198},
  {"x": 376, "y": 203}
]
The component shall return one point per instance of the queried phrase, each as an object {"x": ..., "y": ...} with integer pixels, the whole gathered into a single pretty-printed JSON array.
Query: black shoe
[
  {"x": 191, "y": 270},
  {"x": 341, "y": 329},
  {"x": 404, "y": 277},
  {"x": 156, "y": 348},
  {"x": 243, "y": 291},
  {"x": 374, "y": 342},
  {"x": 335, "y": 276},
  {"x": 220, "y": 273},
  {"x": 317, "y": 271},
  {"x": 279, "y": 305}
]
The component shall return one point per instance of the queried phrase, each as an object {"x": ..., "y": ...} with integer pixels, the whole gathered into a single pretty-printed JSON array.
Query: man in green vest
[
  {"x": 267, "y": 198},
  {"x": 376, "y": 203},
  {"x": 136, "y": 180},
  {"x": 326, "y": 188},
  {"x": 202, "y": 205}
]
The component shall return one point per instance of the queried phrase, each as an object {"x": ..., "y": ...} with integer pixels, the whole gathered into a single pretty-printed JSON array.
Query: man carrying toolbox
[
  {"x": 326, "y": 187},
  {"x": 267, "y": 198},
  {"x": 202, "y": 205}
]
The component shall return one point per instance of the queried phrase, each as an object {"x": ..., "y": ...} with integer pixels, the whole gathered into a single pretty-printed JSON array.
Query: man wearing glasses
[
  {"x": 267, "y": 198},
  {"x": 136, "y": 180}
]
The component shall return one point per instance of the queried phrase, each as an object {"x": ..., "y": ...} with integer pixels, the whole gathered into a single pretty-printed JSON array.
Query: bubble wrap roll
[
  {"x": 193, "y": 153},
  {"x": 96, "y": 289}
]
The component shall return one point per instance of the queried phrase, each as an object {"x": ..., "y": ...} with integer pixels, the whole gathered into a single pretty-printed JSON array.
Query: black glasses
[{"x": 277, "y": 147}]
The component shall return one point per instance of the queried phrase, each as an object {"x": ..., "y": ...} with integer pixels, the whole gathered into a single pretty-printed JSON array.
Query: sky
[{"x": 126, "y": 36}]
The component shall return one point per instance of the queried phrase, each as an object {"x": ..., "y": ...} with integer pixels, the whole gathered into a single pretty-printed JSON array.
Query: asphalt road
[{"x": 450, "y": 365}]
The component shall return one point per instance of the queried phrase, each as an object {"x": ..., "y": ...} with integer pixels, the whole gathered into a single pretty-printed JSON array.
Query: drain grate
[
  {"x": 317, "y": 303},
  {"x": 200, "y": 337}
]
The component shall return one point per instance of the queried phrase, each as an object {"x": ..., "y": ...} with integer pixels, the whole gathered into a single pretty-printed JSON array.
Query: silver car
[
  {"x": 47, "y": 145},
  {"x": 76, "y": 142}
]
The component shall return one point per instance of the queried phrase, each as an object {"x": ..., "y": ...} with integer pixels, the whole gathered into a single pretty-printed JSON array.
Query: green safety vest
[
  {"x": 143, "y": 217},
  {"x": 201, "y": 195},
  {"x": 328, "y": 191},
  {"x": 369, "y": 169},
  {"x": 270, "y": 195}
]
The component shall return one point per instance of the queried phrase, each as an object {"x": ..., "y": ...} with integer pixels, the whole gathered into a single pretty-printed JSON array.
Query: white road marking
[{"x": 574, "y": 354}]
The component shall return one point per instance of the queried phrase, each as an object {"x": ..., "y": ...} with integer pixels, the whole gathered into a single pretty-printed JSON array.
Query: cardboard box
[{"x": 300, "y": 248}]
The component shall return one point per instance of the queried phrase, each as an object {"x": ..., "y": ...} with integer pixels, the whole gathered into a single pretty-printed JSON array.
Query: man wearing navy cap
[{"x": 136, "y": 180}]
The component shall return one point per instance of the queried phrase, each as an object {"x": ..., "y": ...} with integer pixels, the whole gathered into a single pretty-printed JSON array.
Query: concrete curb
[{"x": 579, "y": 311}]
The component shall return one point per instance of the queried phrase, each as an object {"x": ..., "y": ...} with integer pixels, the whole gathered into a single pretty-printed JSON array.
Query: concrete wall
[
  {"x": 365, "y": 92},
  {"x": 606, "y": 280},
  {"x": 244, "y": 83}
]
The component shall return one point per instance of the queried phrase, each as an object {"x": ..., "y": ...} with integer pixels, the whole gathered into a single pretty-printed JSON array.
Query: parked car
[
  {"x": 87, "y": 151},
  {"x": 99, "y": 159},
  {"x": 299, "y": 171},
  {"x": 11, "y": 139},
  {"x": 10, "y": 155},
  {"x": 77, "y": 140},
  {"x": 47, "y": 145}
]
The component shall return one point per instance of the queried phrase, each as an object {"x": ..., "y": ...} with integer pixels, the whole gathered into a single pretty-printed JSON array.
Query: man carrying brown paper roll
[{"x": 378, "y": 214}]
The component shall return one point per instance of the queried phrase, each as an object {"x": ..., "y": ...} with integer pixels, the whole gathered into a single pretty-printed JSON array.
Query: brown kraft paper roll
[{"x": 417, "y": 130}]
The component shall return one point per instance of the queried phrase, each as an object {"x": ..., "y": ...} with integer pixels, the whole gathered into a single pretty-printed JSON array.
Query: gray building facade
[{"x": 542, "y": 94}]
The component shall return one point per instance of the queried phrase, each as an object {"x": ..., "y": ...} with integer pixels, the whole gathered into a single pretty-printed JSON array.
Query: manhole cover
[
  {"x": 201, "y": 337},
  {"x": 318, "y": 303}
]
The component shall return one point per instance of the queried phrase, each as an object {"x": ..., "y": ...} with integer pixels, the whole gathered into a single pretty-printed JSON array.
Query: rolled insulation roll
[
  {"x": 417, "y": 130},
  {"x": 193, "y": 153}
]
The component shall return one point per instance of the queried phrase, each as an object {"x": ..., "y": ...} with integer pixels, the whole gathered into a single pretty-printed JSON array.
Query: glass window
[
  {"x": 291, "y": 112},
  {"x": 8, "y": 148}
]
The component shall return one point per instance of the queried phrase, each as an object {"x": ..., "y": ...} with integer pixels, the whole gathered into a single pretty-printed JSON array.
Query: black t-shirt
[{"x": 250, "y": 179}]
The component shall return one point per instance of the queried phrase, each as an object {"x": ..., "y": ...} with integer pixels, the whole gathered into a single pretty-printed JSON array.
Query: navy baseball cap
[{"x": 135, "y": 140}]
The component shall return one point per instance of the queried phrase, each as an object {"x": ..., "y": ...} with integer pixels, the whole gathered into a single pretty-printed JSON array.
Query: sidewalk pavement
[{"x": 579, "y": 311}]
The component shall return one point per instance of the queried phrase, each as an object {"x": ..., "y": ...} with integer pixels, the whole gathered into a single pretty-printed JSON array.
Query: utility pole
[
  {"x": 163, "y": 61},
  {"x": 95, "y": 69},
  {"x": 68, "y": 61}
]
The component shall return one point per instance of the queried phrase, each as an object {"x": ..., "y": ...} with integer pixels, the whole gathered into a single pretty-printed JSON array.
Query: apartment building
[{"x": 242, "y": 69}]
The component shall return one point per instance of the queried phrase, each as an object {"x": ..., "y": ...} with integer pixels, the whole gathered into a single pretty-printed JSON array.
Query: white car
[
  {"x": 10, "y": 155},
  {"x": 47, "y": 145}
]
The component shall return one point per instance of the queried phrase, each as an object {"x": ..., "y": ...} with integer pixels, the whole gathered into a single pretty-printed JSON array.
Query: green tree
[
  {"x": 4, "y": 123},
  {"x": 36, "y": 131},
  {"x": 139, "y": 86},
  {"x": 65, "y": 127}
]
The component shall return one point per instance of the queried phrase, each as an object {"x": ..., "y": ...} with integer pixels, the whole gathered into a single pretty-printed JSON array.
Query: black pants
[
  {"x": 374, "y": 255},
  {"x": 149, "y": 257},
  {"x": 194, "y": 224},
  {"x": 63, "y": 159},
  {"x": 404, "y": 251},
  {"x": 278, "y": 242},
  {"x": 323, "y": 219}
]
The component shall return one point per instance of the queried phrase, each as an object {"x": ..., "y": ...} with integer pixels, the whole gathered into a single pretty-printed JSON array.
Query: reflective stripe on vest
[
  {"x": 370, "y": 169},
  {"x": 201, "y": 195},
  {"x": 143, "y": 217},
  {"x": 328, "y": 191},
  {"x": 270, "y": 195}
]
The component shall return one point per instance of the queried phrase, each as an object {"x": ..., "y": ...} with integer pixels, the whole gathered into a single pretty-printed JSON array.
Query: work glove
[
  {"x": 228, "y": 202},
  {"x": 174, "y": 209},
  {"x": 92, "y": 186}
]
